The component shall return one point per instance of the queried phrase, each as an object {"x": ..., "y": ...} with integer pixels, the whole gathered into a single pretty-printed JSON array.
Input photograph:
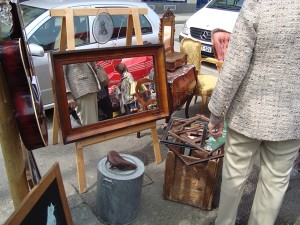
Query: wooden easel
[{"x": 68, "y": 42}]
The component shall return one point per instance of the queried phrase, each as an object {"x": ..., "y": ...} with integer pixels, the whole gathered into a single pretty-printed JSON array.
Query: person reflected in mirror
[
  {"x": 82, "y": 86},
  {"x": 257, "y": 94},
  {"x": 115, "y": 97},
  {"x": 152, "y": 77},
  {"x": 128, "y": 103},
  {"x": 152, "y": 84},
  {"x": 105, "y": 110}
]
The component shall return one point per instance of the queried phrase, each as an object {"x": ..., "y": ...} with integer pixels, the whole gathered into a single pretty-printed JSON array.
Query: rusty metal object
[{"x": 191, "y": 136}]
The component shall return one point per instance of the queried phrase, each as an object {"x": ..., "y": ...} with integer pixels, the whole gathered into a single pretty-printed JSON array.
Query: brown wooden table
[{"x": 182, "y": 86}]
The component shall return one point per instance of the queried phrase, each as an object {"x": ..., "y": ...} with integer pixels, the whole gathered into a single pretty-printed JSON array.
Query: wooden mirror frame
[
  {"x": 59, "y": 59},
  {"x": 168, "y": 19}
]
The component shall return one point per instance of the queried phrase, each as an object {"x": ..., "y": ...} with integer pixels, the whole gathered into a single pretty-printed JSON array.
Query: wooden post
[{"x": 11, "y": 146}]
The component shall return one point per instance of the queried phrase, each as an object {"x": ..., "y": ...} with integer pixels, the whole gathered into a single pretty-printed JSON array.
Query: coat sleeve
[
  {"x": 237, "y": 59},
  {"x": 66, "y": 72}
]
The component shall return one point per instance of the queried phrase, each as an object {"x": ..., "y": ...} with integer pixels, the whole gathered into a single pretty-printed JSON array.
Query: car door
[{"x": 47, "y": 36}]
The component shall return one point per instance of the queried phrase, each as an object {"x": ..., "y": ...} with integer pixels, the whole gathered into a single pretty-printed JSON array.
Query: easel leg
[
  {"x": 80, "y": 169},
  {"x": 55, "y": 127},
  {"x": 156, "y": 147},
  {"x": 56, "y": 131}
]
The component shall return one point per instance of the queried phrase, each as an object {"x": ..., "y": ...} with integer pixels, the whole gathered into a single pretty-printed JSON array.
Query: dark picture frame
[
  {"x": 59, "y": 59},
  {"x": 47, "y": 201}
]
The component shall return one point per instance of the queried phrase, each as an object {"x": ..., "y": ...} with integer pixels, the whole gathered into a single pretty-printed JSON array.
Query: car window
[
  {"x": 30, "y": 13},
  {"x": 145, "y": 25},
  {"x": 234, "y": 5},
  {"x": 48, "y": 35},
  {"x": 6, "y": 20},
  {"x": 120, "y": 26},
  {"x": 81, "y": 29}
]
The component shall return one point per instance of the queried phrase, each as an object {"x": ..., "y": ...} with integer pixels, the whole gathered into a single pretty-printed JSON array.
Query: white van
[{"x": 217, "y": 14}]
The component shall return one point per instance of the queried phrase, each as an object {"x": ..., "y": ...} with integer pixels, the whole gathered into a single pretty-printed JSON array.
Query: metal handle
[{"x": 109, "y": 184}]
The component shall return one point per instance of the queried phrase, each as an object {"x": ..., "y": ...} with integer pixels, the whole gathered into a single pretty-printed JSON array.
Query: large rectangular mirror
[{"x": 135, "y": 94}]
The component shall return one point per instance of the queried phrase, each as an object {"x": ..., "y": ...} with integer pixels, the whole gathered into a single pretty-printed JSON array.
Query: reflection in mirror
[
  {"x": 107, "y": 89},
  {"x": 167, "y": 36},
  {"x": 167, "y": 31},
  {"x": 107, "y": 109}
]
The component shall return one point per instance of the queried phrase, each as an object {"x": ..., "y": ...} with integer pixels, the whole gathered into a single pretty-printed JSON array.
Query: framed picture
[
  {"x": 46, "y": 203},
  {"x": 142, "y": 61}
]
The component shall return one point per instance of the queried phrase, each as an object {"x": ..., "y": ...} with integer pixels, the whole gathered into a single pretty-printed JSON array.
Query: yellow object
[
  {"x": 205, "y": 83},
  {"x": 142, "y": 88},
  {"x": 205, "y": 87},
  {"x": 116, "y": 114}
]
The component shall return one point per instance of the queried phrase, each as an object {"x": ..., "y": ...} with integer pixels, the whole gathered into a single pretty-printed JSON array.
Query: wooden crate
[{"x": 194, "y": 185}]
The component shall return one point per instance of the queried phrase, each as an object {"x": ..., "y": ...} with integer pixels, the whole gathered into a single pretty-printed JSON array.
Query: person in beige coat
[
  {"x": 258, "y": 95},
  {"x": 82, "y": 86}
]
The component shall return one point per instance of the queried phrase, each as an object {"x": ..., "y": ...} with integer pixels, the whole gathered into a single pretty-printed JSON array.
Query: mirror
[
  {"x": 136, "y": 92},
  {"x": 167, "y": 30},
  {"x": 167, "y": 37}
]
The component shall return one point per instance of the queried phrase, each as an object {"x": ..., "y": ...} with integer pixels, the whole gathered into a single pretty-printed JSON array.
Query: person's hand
[
  {"x": 215, "y": 126},
  {"x": 216, "y": 130},
  {"x": 72, "y": 103}
]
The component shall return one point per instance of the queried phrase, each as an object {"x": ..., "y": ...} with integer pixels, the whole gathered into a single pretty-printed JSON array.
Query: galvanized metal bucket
[{"x": 119, "y": 192}]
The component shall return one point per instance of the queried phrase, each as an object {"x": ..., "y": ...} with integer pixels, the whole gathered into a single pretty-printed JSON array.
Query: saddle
[{"x": 119, "y": 162}]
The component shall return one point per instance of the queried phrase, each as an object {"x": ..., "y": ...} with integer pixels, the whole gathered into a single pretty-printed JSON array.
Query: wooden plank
[
  {"x": 55, "y": 128},
  {"x": 169, "y": 174},
  {"x": 97, "y": 11},
  {"x": 55, "y": 124},
  {"x": 129, "y": 30},
  {"x": 195, "y": 183},
  {"x": 63, "y": 35},
  {"x": 114, "y": 134},
  {"x": 156, "y": 147},
  {"x": 80, "y": 169},
  {"x": 70, "y": 29},
  {"x": 187, "y": 196},
  {"x": 212, "y": 168},
  {"x": 137, "y": 26}
]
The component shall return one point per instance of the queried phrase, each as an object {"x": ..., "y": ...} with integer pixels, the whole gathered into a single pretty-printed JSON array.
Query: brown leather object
[
  {"x": 182, "y": 83},
  {"x": 175, "y": 60},
  {"x": 119, "y": 162}
]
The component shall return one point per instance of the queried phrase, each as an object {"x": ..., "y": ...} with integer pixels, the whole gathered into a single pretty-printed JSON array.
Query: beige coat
[
  {"x": 80, "y": 80},
  {"x": 259, "y": 87}
]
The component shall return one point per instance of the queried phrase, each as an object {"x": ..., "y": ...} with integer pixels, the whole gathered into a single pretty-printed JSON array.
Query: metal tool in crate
[{"x": 193, "y": 140}]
